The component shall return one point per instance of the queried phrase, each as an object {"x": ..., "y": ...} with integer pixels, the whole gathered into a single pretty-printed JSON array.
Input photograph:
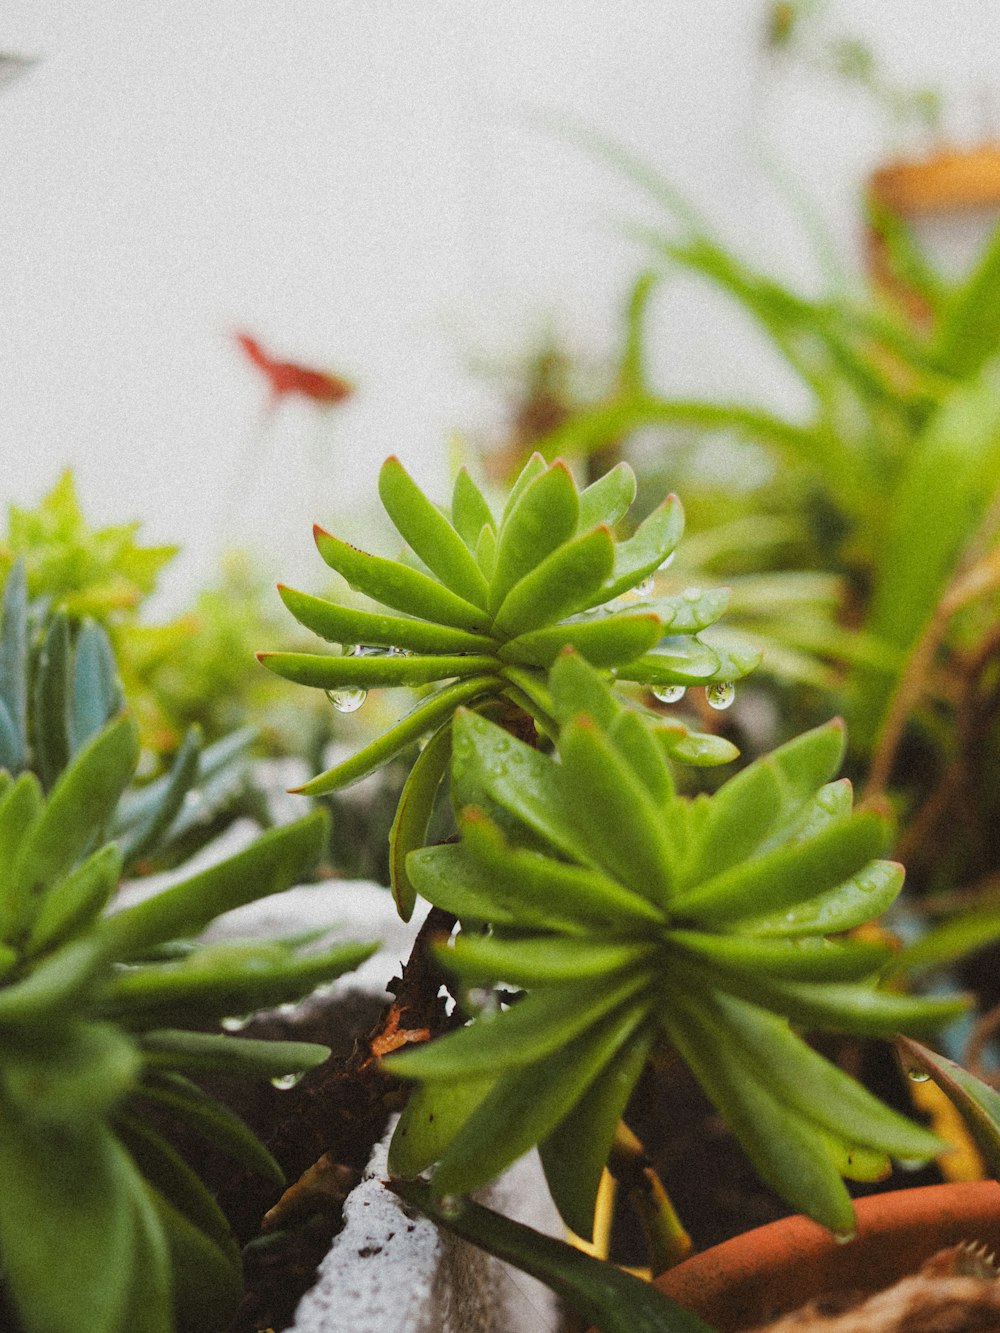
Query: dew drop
[
  {"x": 450, "y": 1205},
  {"x": 284, "y": 1082},
  {"x": 234, "y": 1024},
  {"x": 917, "y": 1075},
  {"x": 669, "y": 694},
  {"x": 911, "y": 1163},
  {"x": 665, "y": 564},
  {"x": 644, "y": 588},
  {"x": 720, "y": 694},
  {"x": 347, "y": 700}
]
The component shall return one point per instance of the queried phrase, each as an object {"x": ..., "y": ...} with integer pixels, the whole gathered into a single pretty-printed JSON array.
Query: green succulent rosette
[
  {"x": 630, "y": 920},
  {"x": 105, "y": 1015},
  {"x": 488, "y": 606}
]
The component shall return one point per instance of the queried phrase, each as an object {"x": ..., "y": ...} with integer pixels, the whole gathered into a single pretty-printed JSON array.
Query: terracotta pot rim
[{"x": 778, "y": 1267}]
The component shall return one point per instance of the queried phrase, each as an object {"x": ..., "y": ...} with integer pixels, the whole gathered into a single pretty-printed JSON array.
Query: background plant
[{"x": 103, "y": 1224}]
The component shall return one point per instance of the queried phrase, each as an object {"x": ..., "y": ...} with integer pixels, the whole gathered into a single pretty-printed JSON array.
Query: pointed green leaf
[
  {"x": 976, "y": 1102},
  {"x": 143, "y": 836},
  {"x": 469, "y": 510},
  {"x": 564, "y": 582},
  {"x": 97, "y": 694},
  {"x": 487, "y": 879},
  {"x": 20, "y": 808},
  {"x": 811, "y": 1085},
  {"x": 542, "y": 519},
  {"x": 808, "y": 959},
  {"x": 486, "y": 550},
  {"x": 239, "y": 1057},
  {"x": 492, "y": 768},
  {"x": 533, "y": 468},
  {"x": 635, "y": 741},
  {"x": 427, "y": 715},
  {"x": 413, "y": 815},
  {"x": 607, "y": 642},
  {"x": 676, "y": 660},
  {"x": 577, "y": 688},
  {"x": 607, "y": 499},
  {"x": 655, "y": 538},
  {"x": 225, "y": 979},
  {"x": 694, "y": 747},
  {"x": 861, "y": 898},
  {"x": 212, "y": 1120},
  {"x": 347, "y": 625},
  {"x": 78, "y": 808},
  {"x": 51, "y": 703},
  {"x": 433, "y": 1115},
  {"x": 527, "y": 1103},
  {"x": 326, "y": 672},
  {"x": 784, "y": 1147},
  {"x": 614, "y": 815},
  {"x": 787, "y": 875},
  {"x": 398, "y": 586},
  {"x": 73, "y": 903},
  {"x": 544, "y": 960},
  {"x": 426, "y": 530},
  {"x": 531, "y": 1030},
  {"x": 575, "y": 1153}
]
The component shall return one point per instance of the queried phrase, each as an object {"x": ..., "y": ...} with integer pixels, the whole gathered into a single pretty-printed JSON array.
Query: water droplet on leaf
[
  {"x": 917, "y": 1075},
  {"x": 450, "y": 1205},
  {"x": 669, "y": 694},
  {"x": 234, "y": 1024},
  {"x": 284, "y": 1082},
  {"x": 644, "y": 588},
  {"x": 347, "y": 700},
  {"x": 720, "y": 694}
]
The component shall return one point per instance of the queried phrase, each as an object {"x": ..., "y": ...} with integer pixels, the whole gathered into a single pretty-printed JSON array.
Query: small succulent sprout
[
  {"x": 490, "y": 604},
  {"x": 103, "y": 1226},
  {"x": 633, "y": 918}
]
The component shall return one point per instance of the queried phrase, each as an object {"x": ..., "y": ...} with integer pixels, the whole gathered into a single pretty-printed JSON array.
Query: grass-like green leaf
[
  {"x": 543, "y": 960},
  {"x": 279, "y": 858},
  {"x": 242, "y": 1057}
]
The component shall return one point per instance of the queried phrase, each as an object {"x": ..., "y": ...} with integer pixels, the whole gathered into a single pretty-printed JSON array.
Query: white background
[{"x": 378, "y": 188}]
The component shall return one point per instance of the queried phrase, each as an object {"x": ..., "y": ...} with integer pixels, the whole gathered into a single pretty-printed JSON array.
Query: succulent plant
[
  {"x": 633, "y": 921},
  {"x": 495, "y": 600},
  {"x": 59, "y": 687},
  {"x": 103, "y": 1226}
]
